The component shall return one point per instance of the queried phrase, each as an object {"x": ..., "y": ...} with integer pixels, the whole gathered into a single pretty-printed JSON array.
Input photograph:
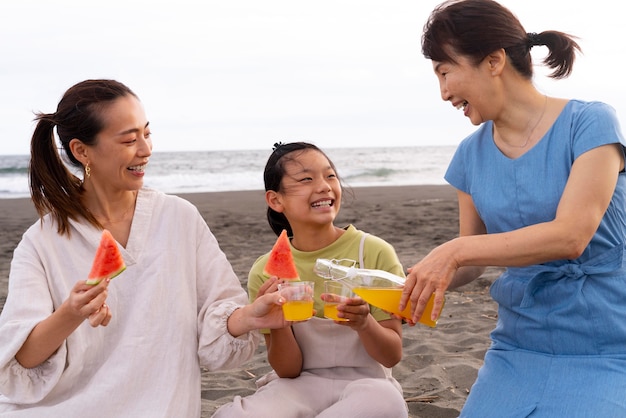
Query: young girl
[{"x": 323, "y": 368}]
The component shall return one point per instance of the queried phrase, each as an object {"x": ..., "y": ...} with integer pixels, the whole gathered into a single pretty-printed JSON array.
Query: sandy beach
[{"x": 439, "y": 364}]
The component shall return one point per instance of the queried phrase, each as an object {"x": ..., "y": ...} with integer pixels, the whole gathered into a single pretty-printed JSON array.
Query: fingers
[
  {"x": 420, "y": 285},
  {"x": 270, "y": 285},
  {"x": 101, "y": 317},
  {"x": 437, "y": 305},
  {"x": 409, "y": 285},
  {"x": 355, "y": 310},
  {"x": 332, "y": 298},
  {"x": 87, "y": 300},
  {"x": 419, "y": 299}
]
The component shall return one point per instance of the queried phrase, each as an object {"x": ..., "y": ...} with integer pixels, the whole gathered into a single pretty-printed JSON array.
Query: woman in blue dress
[{"x": 541, "y": 190}]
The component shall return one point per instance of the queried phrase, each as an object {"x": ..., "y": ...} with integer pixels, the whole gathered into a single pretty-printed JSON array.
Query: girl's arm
[
  {"x": 382, "y": 340},
  {"x": 283, "y": 352}
]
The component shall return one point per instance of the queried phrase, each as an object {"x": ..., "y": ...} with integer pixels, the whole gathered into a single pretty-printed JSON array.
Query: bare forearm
[
  {"x": 283, "y": 353},
  {"x": 465, "y": 275},
  {"x": 383, "y": 344},
  {"x": 46, "y": 338},
  {"x": 240, "y": 322},
  {"x": 264, "y": 312},
  {"x": 530, "y": 245}
]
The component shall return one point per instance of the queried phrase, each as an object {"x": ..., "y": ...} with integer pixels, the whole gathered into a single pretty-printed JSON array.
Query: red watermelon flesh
[
  {"x": 280, "y": 262},
  {"x": 108, "y": 261}
]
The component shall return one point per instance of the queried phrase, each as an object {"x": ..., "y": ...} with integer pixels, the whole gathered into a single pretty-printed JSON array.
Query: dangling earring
[{"x": 87, "y": 171}]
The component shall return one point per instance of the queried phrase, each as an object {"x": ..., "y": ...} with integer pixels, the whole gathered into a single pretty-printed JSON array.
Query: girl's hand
[{"x": 356, "y": 311}]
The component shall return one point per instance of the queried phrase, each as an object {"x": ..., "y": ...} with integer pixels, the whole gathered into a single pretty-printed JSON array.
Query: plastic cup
[
  {"x": 336, "y": 293},
  {"x": 299, "y": 300}
]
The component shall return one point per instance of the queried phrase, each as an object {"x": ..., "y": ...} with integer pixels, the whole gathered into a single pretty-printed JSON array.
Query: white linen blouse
[{"x": 170, "y": 308}]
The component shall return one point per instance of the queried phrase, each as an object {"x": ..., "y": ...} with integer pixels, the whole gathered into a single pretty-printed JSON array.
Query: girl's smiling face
[{"x": 310, "y": 189}]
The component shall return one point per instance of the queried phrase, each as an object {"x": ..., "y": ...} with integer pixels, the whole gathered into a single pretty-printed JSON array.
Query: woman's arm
[
  {"x": 585, "y": 199},
  {"x": 85, "y": 301}
]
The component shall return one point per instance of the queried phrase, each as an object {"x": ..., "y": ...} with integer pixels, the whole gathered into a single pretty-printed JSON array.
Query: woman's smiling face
[
  {"x": 467, "y": 86},
  {"x": 123, "y": 147}
]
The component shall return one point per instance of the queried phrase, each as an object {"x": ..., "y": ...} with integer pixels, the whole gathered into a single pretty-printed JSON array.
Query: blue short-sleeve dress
[{"x": 559, "y": 346}]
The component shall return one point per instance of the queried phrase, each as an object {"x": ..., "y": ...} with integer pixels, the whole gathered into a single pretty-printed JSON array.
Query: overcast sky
[{"x": 243, "y": 74}]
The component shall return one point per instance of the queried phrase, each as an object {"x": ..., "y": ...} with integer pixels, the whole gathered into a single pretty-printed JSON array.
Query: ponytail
[
  {"x": 562, "y": 53},
  {"x": 54, "y": 189},
  {"x": 278, "y": 222}
]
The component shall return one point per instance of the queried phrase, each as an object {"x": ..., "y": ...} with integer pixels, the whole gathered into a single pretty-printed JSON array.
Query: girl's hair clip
[{"x": 277, "y": 145}]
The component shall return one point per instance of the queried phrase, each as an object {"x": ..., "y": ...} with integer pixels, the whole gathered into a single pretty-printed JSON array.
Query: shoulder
[
  {"x": 582, "y": 106},
  {"x": 43, "y": 230},
  {"x": 158, "y": 199},
  {"x": 590, "y": 124},
  {"x": 372, "y": 244},
  {"x": 380, "y": 254},
  {"x": 581, "y": 112},
  {"x": 478, "y": 139}
]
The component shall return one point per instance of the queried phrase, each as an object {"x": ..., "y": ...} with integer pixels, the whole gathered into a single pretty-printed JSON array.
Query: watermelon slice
[
  {"x": 280, "y": 262},
  {"x": 108, "y": 261}
]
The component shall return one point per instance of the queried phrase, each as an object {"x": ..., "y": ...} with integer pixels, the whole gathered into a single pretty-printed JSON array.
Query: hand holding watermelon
[{"x": 89, "y": 302}]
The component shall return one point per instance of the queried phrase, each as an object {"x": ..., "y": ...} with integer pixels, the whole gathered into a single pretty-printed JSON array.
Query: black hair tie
[{"x": 532, "y": 39}]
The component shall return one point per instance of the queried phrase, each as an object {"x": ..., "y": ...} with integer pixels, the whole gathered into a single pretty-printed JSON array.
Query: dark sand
[{"x": 439, "y": 364}]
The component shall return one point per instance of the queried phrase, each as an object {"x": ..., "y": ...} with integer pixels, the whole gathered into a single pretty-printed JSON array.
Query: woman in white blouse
[{"x": 134, "y": 346}]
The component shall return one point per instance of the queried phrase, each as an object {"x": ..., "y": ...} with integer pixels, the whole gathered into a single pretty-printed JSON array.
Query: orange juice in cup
[
  {"x": 298, "y": 310},
  {"x": 299, "y": 300},
  {"x": 334, "y": 294}
]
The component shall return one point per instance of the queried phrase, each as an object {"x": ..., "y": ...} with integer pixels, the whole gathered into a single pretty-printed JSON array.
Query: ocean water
[{"x": 211, "y": 171}]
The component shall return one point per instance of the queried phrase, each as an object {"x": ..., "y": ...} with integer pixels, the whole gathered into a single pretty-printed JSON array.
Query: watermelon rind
[{"x": 97, "y": 280}]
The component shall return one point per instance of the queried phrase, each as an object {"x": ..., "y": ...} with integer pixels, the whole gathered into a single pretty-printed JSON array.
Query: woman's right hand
[
  {"x": 84, "y": 302},
  {"x": 89, "y": 301}
]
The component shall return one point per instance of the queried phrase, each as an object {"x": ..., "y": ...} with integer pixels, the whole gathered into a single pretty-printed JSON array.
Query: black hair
[
  {"x": 476, "y": 28},
  {"x": 274, "y": 173}
]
